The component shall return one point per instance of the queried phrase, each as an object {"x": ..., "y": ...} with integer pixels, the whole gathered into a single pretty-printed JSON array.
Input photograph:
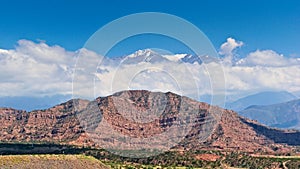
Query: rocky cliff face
[
  {"x": 57, "y": 124},
  {"x": 140, "y": 115}
]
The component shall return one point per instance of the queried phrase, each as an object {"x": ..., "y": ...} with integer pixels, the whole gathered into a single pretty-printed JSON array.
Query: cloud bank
[{"x": 37, "y": 69}]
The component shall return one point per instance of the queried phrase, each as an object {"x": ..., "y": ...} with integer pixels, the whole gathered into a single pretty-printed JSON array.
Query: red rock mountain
[{"x": 139, "y": 115}]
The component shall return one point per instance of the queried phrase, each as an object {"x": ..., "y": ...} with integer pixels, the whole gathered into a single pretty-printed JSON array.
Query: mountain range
[
  {"x": 134, "y": 114},
  {"x": 31, "y": 103},
  {"x": 281, "y": 115},
  {"x": 271, "y": 108},
  {"x": 151, "y": 56},
  {"x": 261, "y": 98}
]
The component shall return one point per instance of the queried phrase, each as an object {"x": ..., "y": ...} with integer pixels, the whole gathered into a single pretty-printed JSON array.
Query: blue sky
[
  {"x": 264, "y": 34},
  {"x": 259, "y": 24}
]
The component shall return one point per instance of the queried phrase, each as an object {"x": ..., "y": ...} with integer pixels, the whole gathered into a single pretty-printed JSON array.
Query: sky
[
  {"x": 41, "y": 43},
  {"x": 260, "y": 24}
]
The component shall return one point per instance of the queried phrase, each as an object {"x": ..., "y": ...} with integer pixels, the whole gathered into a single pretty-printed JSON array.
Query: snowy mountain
[
  {"x": 192, "y": 59},
  {"x": 151, "y": 56},
  {"x": 146, "y": 55},
  {"x": 175, "y": 57}
]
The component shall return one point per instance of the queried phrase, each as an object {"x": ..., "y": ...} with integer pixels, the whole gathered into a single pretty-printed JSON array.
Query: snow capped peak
[
  {"x": 2, "y": 51},
  {"x": 175, "y": 57},
  {"x": 144, "y": 52},
  {"x": 151, "y": 56},
  {"x": 192, "y": 59},
  {"x": 146, "y": 55}
]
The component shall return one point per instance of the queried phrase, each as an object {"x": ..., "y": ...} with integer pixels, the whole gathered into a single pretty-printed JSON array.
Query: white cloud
[
  {"x": 227, "y": 49},
  {"x": 267, "y": 58},
  {"x": 34, "y": 69},
  {"x": 244, "y": 78},
  {"x": 229, "y": 46},
  {"x": 167, "y": 76}
]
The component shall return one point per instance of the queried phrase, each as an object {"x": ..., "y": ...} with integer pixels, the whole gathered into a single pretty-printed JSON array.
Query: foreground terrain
[
  {"x": 217, "y": 138},
  {"x": 15, "y": 155},
  {"x": 213, "y": 160},
  {"x": 50, "y": 161}
]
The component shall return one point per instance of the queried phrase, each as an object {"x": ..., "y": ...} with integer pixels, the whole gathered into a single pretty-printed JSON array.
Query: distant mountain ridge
[
  {"x": 69, "y": 122},
  {"x": 32, "y": 103},
  {"x": 262, "y": 98},
  {"x": 281, "y": 115}
]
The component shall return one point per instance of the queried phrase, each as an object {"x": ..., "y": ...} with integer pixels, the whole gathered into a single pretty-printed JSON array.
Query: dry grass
[{"x": 50, "y": 162}]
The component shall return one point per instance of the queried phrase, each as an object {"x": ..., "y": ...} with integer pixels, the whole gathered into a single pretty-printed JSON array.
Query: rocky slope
[
  {"x": 57, "y": 124},
  {"x": 131, "y": 118}
]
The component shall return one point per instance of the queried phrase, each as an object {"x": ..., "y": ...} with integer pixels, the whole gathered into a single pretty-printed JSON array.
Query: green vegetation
[
  {"x": 261, "y": 162},
  {"x": 171, "y": 159},
  {"x": 189, "y": 160},
  {"x": 39, "y": 148}
]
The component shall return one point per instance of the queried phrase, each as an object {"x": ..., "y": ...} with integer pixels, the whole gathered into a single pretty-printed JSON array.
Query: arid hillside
[{"x": 141, "y": 114}]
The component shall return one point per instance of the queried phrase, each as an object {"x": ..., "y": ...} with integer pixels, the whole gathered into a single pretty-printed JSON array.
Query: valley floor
[
  {"x": 50, "y": 162},
  {"x": 100, "y": 159}
]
